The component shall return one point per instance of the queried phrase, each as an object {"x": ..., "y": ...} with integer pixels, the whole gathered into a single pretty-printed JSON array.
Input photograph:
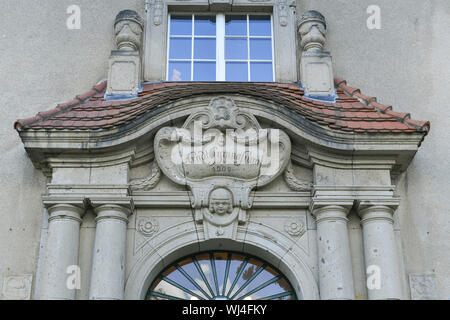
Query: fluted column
[
  {"x": 380, "y": 250},
  {"x": 335, "y": 266},
  {"x": 62, "y": 251},
  {"x": 108, "y": 265}
]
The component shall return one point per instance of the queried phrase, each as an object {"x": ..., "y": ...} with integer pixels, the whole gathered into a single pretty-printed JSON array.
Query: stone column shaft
[
  {"x": 108, "y": 266},
  {"x": 62, "y": 251},
  {"x": 380, "y": 252},
  {"x": 335, "y": 266}
]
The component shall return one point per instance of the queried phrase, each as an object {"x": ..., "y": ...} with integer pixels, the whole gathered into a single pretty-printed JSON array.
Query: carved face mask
[
  {"x": 221, "y": 202},
  {"x": 314, "y": 29},
  {"x": 132, "y": 26}
]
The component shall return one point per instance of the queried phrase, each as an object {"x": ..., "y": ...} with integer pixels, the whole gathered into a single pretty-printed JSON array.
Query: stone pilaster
[
  {"x": 380, "y": 253},
  {"x": 108, "y": 265},
  {"x": 334, "y": 259},
  {"x": 62, "y": 248}
]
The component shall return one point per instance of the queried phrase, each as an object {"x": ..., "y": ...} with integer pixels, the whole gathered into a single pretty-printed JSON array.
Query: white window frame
[{"x": 220, "y": 44}]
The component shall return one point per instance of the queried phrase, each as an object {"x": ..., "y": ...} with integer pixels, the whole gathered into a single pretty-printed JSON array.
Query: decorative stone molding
[
  {"x": 315, "y": 64},
  {"x": 295, "y": 228},
  {"x": 125, "y": 63},
  {"x": 147, "y": 226},
  {"x": 295, "y": 183},
  {"x": 148, "y": 182},
  {"x": 17, "y": 287},
  {"x": 220, "y": 5},
  {"x": 423, "y": 286},
  {"x": 283, "y": 12},
  {"x": 158, "y": 10},
  {"x": 225, "y": 164}
]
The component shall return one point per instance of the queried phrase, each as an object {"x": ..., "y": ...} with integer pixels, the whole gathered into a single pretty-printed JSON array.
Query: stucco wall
[{"x": 405, "y": 64}]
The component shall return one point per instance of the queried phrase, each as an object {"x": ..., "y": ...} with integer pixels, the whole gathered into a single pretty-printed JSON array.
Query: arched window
[{"x": 220, "y": 275}]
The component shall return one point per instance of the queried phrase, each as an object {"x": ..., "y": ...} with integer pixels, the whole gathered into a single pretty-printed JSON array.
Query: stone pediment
[{"x": 221, "y": 153}]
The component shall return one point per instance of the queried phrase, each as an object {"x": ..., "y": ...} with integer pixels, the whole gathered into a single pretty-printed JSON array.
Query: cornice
[
  {"x": 182, "y": 199},
  {"x": 324, "y": 146}
]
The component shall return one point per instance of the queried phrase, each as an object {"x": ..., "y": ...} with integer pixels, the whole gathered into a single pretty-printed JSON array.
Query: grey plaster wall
[
  {"x": 42, "y": 63},
  {"x": 405, "y": 64}
]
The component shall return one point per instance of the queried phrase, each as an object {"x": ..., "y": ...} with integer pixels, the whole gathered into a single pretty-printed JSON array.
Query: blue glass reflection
[
  {"x": 236, "y": 48},
  {"x": 179, "y": 71},
  {"x": 204, "y": 48},
  {"x": 260, "y": 26},
  {"x": 235, "y": 25},
  {"x": 236, "y": 71},
  {"x": 260, "y": 49},
  {"x": 180, "y": 48},
  {"x": 204, "y": 71},
  {"x": 261, "y": 71},
  {"x": 181, "y": 25},
  {"x": 205, "y": 25}
]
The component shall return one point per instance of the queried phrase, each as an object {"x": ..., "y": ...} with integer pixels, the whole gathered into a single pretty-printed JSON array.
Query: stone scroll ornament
[{"x": 221, "y": 154}]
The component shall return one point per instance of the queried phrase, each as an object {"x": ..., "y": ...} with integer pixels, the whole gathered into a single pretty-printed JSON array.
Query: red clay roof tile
[{"x": 352, "y": 111}]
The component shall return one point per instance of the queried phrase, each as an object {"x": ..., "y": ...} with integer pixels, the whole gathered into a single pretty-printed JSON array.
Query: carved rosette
[
  {"x": 221, "y": 154},
  {"x": 147, "y": 226},
  {"x": 295, "y": 228}
]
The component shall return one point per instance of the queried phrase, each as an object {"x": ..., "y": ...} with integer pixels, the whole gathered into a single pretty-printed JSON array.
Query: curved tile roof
[{"x": 351, "y": 112}]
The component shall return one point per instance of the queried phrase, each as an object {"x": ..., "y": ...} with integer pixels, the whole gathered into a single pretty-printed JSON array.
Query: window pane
[
  {"x": 204, "y": 48},
  {"x": 260, "y": 26},
  {"x": 220, "y": 276},
  {"x": 181, "y": 25},
  {"x": 260, "y": 49},
  {"x": 179, "y": 71},
  {"x": 236, "y": 71},
  {"x": 261, "y": 71},
  {"x": 180, "y": 48},
  {"x": 236, "y": 49},
  {"x": 204, "y": 71},
  {"x": 235, "y": 25},
  {"x": 205, "y": 26}
]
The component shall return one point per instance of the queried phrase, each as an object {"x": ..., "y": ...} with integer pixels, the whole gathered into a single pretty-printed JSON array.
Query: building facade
[{"x": 222, "y": 156}]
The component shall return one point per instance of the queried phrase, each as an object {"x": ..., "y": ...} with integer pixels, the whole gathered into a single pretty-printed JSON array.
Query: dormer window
[{"x": 220, "y": 47}]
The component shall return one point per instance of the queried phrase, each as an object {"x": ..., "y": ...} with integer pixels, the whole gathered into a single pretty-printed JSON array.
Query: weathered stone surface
[
  {"x": 423, "y": 286},
  {"x": 423, "y": 25},
  {"x": 17, "y": 287}
]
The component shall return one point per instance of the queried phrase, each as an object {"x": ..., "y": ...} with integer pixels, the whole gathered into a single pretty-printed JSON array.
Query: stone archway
[{"x": 292, "y": 266}]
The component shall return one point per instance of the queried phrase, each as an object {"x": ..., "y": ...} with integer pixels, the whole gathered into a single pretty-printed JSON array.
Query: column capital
[
  {"x": 319, "y": 203},
  {"x": 112, "y": 208},
  {"x": 377, "y": 209},
  {"x": 65, "y": 207},
  {"x": 125, "y": 202}
]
